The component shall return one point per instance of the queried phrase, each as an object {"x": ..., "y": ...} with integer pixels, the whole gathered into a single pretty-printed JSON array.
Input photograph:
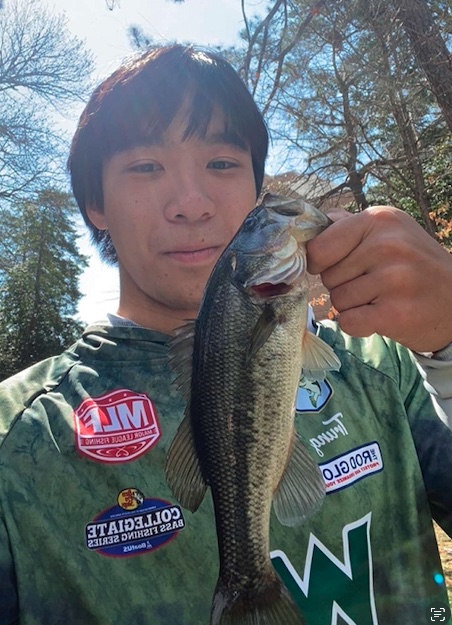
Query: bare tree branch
[{"x": 430, "y": 50}]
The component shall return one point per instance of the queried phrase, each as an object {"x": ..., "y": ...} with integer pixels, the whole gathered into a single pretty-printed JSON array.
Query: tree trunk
[
  {"x": 405, "y": 126},
  {"x": 430, "y": 50},
  {"x": 29, "y": 355},
  {"x": 354, "y": 177},
  {"x": 409, "y": 140}
]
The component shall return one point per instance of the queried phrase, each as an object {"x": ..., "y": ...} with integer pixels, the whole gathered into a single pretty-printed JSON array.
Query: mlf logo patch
[
  {"x": 134, "y": 526},
  {"x": 119, "y": 426}
]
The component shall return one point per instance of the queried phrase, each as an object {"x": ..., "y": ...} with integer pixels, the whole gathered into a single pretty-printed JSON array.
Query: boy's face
[{"x": 171, "y": 209}]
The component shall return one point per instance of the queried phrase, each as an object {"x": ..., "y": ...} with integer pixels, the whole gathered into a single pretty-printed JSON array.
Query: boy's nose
[{"x": 189, "y": 202}]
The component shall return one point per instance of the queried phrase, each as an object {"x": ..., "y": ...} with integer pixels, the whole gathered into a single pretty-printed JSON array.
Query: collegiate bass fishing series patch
[
  {"x": 134, "y": 526},
  {"x": 116, "y": 427}
]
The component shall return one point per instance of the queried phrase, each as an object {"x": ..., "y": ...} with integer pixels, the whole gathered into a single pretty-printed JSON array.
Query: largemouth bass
[{"x": 240, "y": 366}]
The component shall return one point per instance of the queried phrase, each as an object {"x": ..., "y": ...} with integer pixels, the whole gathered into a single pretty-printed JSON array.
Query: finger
[
  {"x": 361, "y": 278},
  {"x": 374, "y": 226},
  {"x": 363, "y": 259},
  {"x": 336, "y": 214},
  {"x": 335, "y": 243},
  {"x": 391, "y": 319},
  {"x": 355, "y": 293},
  {"x": 356, "y": 321},
  {"x": 347, "y": 270}
]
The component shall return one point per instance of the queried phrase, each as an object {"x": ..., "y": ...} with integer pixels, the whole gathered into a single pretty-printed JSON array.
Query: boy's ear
[{"x": 96, "y": 216}]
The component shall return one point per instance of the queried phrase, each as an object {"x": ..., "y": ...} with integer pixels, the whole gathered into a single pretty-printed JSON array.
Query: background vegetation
[
  {"x": 362, "y": 88},
  {"x": 43, "y": 71},
  {"x": 356, "y": 93}
]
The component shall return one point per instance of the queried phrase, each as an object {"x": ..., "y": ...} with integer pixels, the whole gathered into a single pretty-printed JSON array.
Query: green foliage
[
  {"x": 437, "y": 168},
  {"x": 43, "y": 71},
  {"x": 39, "y": 270},
  {"x": 439, "y": 178}
]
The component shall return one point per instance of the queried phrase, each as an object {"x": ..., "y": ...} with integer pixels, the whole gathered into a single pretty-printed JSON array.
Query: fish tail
[{"x": 269, "y": 605}]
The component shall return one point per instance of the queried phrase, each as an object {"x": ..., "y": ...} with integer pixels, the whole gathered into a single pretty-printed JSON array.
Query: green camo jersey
[{"x": 91, "y": 534}]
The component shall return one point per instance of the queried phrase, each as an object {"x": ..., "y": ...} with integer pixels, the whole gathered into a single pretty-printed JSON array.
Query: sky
[
  {"x": 205, "y": 22},
  {"x": 104, "y": 31}
]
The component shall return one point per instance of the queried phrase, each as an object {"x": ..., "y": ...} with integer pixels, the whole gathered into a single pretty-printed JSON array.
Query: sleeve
[
  {"x": 437, "y": 376},
  {"x": 8, "y": 590},
  {"x": 432, "y": 439}
]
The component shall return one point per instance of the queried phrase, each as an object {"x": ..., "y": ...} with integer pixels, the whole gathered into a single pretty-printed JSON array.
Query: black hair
[{"x": 138, "y": 102}]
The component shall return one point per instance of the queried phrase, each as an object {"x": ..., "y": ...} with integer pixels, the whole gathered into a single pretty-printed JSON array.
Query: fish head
[{"x": 268, "y": 254}]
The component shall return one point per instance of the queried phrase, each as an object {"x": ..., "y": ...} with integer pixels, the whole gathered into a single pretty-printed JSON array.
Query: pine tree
[{"x": 40, "y": 265}]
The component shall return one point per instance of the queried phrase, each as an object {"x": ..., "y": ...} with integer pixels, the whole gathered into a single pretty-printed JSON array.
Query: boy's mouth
[{"x": 195, "y": 255}]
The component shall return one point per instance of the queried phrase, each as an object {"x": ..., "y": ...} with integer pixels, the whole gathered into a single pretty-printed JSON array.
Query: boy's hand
[{"x": 386, "y": 275}]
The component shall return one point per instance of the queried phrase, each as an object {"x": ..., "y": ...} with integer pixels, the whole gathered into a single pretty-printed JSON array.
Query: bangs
[{"x": 194, "y": 90}]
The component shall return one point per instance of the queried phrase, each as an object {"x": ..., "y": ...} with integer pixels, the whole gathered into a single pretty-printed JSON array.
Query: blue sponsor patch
[
  {"x": 136, "y": 525},
  {"x": 312, "y": 395}
]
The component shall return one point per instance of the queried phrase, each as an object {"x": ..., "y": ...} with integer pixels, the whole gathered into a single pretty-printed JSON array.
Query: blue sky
[
  {"x": 105, "y": 32},
  {"x": 205, "y": 22}
]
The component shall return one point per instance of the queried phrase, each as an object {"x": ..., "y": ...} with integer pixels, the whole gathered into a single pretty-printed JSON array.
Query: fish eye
[{"x": 250, "y": 222}]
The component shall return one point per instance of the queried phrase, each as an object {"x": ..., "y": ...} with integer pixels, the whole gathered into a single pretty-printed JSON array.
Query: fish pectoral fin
[
  {"x": 301, "y": 489},
  {"x": 181, "y": 356},
  {"x": 262, "y": 331},
  {"x": 183, "y": 471},
  {"x": 318, "y": 357}
]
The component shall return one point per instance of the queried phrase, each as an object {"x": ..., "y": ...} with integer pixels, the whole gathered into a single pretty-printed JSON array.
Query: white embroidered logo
[
  {"x": 329, "y": 435},
  {"x": 349, "y": 594}
]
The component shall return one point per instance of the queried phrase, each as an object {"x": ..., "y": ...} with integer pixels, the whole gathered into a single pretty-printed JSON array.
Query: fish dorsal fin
[
  {"x": 318, "y": 357},
  {"x": 183, "y": 471},
  {"x": 181, "y": 356},
  {"x": 264, "y": 327},
  {"x": 301, "y": 489}
]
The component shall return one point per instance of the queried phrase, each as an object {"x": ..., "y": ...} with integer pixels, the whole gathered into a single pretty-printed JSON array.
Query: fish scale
[
  {"x": 248, "y": 347},
  {"x": 250, "y": 437}
]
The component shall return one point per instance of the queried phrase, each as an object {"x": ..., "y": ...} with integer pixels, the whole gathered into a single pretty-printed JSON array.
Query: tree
[
  {"x": 430, "y": 49},
  {"x": 39, "y": 276},
  {"x": 340, "y": 83},
  {"x": 43, "y": 70},
  {"x": 407, "y": 107},
  {"x": 439, "y": 176},
  {"x": 138, "y": 38}
]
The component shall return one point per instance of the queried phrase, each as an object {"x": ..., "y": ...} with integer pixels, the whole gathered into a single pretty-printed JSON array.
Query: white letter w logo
[{"x": 330, "y": 587}]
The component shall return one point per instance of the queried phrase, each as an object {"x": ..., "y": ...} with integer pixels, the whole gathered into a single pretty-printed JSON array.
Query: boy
[{"x": 167, "y": 161}]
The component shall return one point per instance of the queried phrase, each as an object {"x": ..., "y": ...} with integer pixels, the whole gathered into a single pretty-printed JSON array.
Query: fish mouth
[{"x": 267, "y": 289}]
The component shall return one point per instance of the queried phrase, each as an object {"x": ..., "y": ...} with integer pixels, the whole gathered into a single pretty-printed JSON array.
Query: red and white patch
[{"x": 119, "y": 426}]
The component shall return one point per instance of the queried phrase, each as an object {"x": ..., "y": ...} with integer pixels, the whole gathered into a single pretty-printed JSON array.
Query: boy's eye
[
  {"x": 145, "y": 168},
  {"x": 221, "y": 164}
]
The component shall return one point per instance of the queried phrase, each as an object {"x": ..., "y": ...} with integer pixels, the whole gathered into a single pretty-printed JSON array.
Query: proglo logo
[{"x": 116, "y": 427}]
